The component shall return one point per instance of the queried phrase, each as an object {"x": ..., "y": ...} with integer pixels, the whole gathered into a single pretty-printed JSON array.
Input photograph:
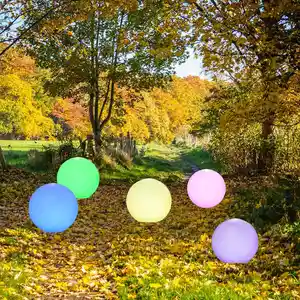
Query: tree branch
[
  {"x": 113, "y": 79},
  {"x": 105, "y": 101},
  {"x": 10, "y": 24},
  {"x": 30, "y": 27},
  {"x": 25, "y": 31}
]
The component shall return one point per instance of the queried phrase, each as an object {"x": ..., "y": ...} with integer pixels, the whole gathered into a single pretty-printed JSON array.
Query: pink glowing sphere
[{"x": 206, "y": 188}]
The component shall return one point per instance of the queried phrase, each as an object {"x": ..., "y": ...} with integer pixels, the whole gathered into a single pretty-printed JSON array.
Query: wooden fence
[
  {"x": 126, "y": 144},
  {"x": 123, "y": 143}
]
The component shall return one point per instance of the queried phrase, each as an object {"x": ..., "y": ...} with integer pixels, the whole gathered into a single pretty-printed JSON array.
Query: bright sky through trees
[{"x": 192, "y": 66}]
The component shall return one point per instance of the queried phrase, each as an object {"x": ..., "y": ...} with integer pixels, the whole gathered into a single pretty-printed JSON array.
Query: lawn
[
  {"x": 19, "y": 145},
  {"x": 16, "y": 151},
  {"x": 108, "y": 255},
  {"x": 166, "y": 163}
]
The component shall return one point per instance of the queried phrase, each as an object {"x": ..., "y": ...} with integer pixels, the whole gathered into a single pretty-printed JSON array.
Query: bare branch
[{"x": 30, "y": 27}]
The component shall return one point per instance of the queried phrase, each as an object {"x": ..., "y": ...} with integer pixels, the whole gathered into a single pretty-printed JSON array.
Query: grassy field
[
  {"x": 16, "y": 151},
  {"x": 20, "y": 145},
  {"x": 162, "y": 162},
  {"x": 108, "y": 255}
]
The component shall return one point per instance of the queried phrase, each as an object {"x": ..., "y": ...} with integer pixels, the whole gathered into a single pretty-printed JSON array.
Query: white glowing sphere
[{"x": 149, "y": 200}]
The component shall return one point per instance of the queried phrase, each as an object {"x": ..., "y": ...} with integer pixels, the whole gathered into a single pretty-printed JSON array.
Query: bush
[
  {"x": 119, "y": 156},
  {"x": 264, "y": 202},
  {"x": 40, "y": 160},
  {"x": 104, "y": 161},
  {"x": 51, "y": 157},
  {"x": 67, "y": 150},
  {"x": 237, "y": 151}
]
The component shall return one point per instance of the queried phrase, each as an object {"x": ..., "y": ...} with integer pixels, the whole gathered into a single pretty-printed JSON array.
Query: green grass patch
[
  {"x": 187, "y": 289},
  {"x": 19, "y": 145},
  {"x": 163, "y": 162},
  {"x": 201, "y": 158},
  {"x": 16, "y": 151}
]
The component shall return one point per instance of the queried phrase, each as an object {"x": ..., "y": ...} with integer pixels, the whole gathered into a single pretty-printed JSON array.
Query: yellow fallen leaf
[
  {"x": 57, "y": 237},
  {"x": 203, "y": 237},
  {"x": 155, "y": 285}
]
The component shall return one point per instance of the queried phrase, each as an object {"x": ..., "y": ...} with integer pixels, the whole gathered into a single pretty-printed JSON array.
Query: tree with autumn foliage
[
  {"x": 23, "y": 103},
  {"x": 72, "y": 117},
  {"x": 256, "y": 45},
  {"x": 162, "y": 113},
  {"x": 13, "y": 29},
  {"x": 106, "y": 46}
]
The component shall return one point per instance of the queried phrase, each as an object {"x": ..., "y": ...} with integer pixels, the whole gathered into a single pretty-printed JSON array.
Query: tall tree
[
  {"x": 72, "y": 117},
  {"x": 24, "y": 106},
  {"x": 19, "y": 114},
  {"x": 108, "y": 46},
  {"x": 162, "y": 113},
  {"x": 254, "y": 43}
]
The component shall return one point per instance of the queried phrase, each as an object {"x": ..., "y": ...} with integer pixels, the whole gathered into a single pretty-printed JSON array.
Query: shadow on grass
[
  {"x": 167, "y": 166},
  {"x": 263, "y": 201}
]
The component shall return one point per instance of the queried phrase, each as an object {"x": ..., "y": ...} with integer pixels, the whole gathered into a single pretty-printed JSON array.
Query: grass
[
  {"x": 200, "y": 158},
  {"x": 20, "y": 145},
  {"x": 165, "y": 163},
  {"x": 198, "y": 290},
  {"x": 12, "y": 273},
  {"x": 16, "y": 151},
  {"x": 159, "y": 162}
]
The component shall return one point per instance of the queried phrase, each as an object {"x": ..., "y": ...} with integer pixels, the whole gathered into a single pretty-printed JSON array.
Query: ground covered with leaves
[{"x": 108, "y": 255}]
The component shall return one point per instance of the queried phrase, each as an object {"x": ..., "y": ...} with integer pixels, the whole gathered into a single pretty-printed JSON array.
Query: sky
[{"x": 192, "y": 66}]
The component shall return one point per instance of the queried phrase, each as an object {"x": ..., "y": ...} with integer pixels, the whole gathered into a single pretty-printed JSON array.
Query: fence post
[
  {"x": 121, "y": 142},
  {"x": 2, "y": 160},
  {"x": 127, "y": 149},
  {"x": 135, "y": 152}
]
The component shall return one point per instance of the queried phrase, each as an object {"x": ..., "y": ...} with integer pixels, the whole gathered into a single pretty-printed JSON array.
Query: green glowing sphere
[{"x": 80, "y": 175}]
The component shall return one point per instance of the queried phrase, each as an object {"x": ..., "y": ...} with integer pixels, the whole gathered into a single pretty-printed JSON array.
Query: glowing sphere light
[
  {"x": 80, "y": 175},
  {"x": 206, "y": 188},
  {"x": 149, "y": 200},
  {"x": 235, "y": 241},
  {"x": 53, "y": 208}
]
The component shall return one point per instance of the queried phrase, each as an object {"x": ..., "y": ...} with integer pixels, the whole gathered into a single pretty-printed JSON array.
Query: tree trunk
[
  {"x": 291, "y": 194},
  {"x": 266, "y": 155},
  {"x": 98, "y": 141}
]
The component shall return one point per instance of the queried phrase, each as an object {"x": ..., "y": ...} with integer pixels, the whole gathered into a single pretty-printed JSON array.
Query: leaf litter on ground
[{"x": 108, "y": 255}]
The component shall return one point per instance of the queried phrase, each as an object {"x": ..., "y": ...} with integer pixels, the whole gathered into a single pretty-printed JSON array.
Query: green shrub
[
  {"x": 40, "y": 160},
  {"x": 104, "y": 161},
  {"x": 119, "y": 156}
]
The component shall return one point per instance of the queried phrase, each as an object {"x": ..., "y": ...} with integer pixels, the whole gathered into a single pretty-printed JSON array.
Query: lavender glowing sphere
[
  {"x": 235, "y": 241},
  {"x": 206, "y": 188}
]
